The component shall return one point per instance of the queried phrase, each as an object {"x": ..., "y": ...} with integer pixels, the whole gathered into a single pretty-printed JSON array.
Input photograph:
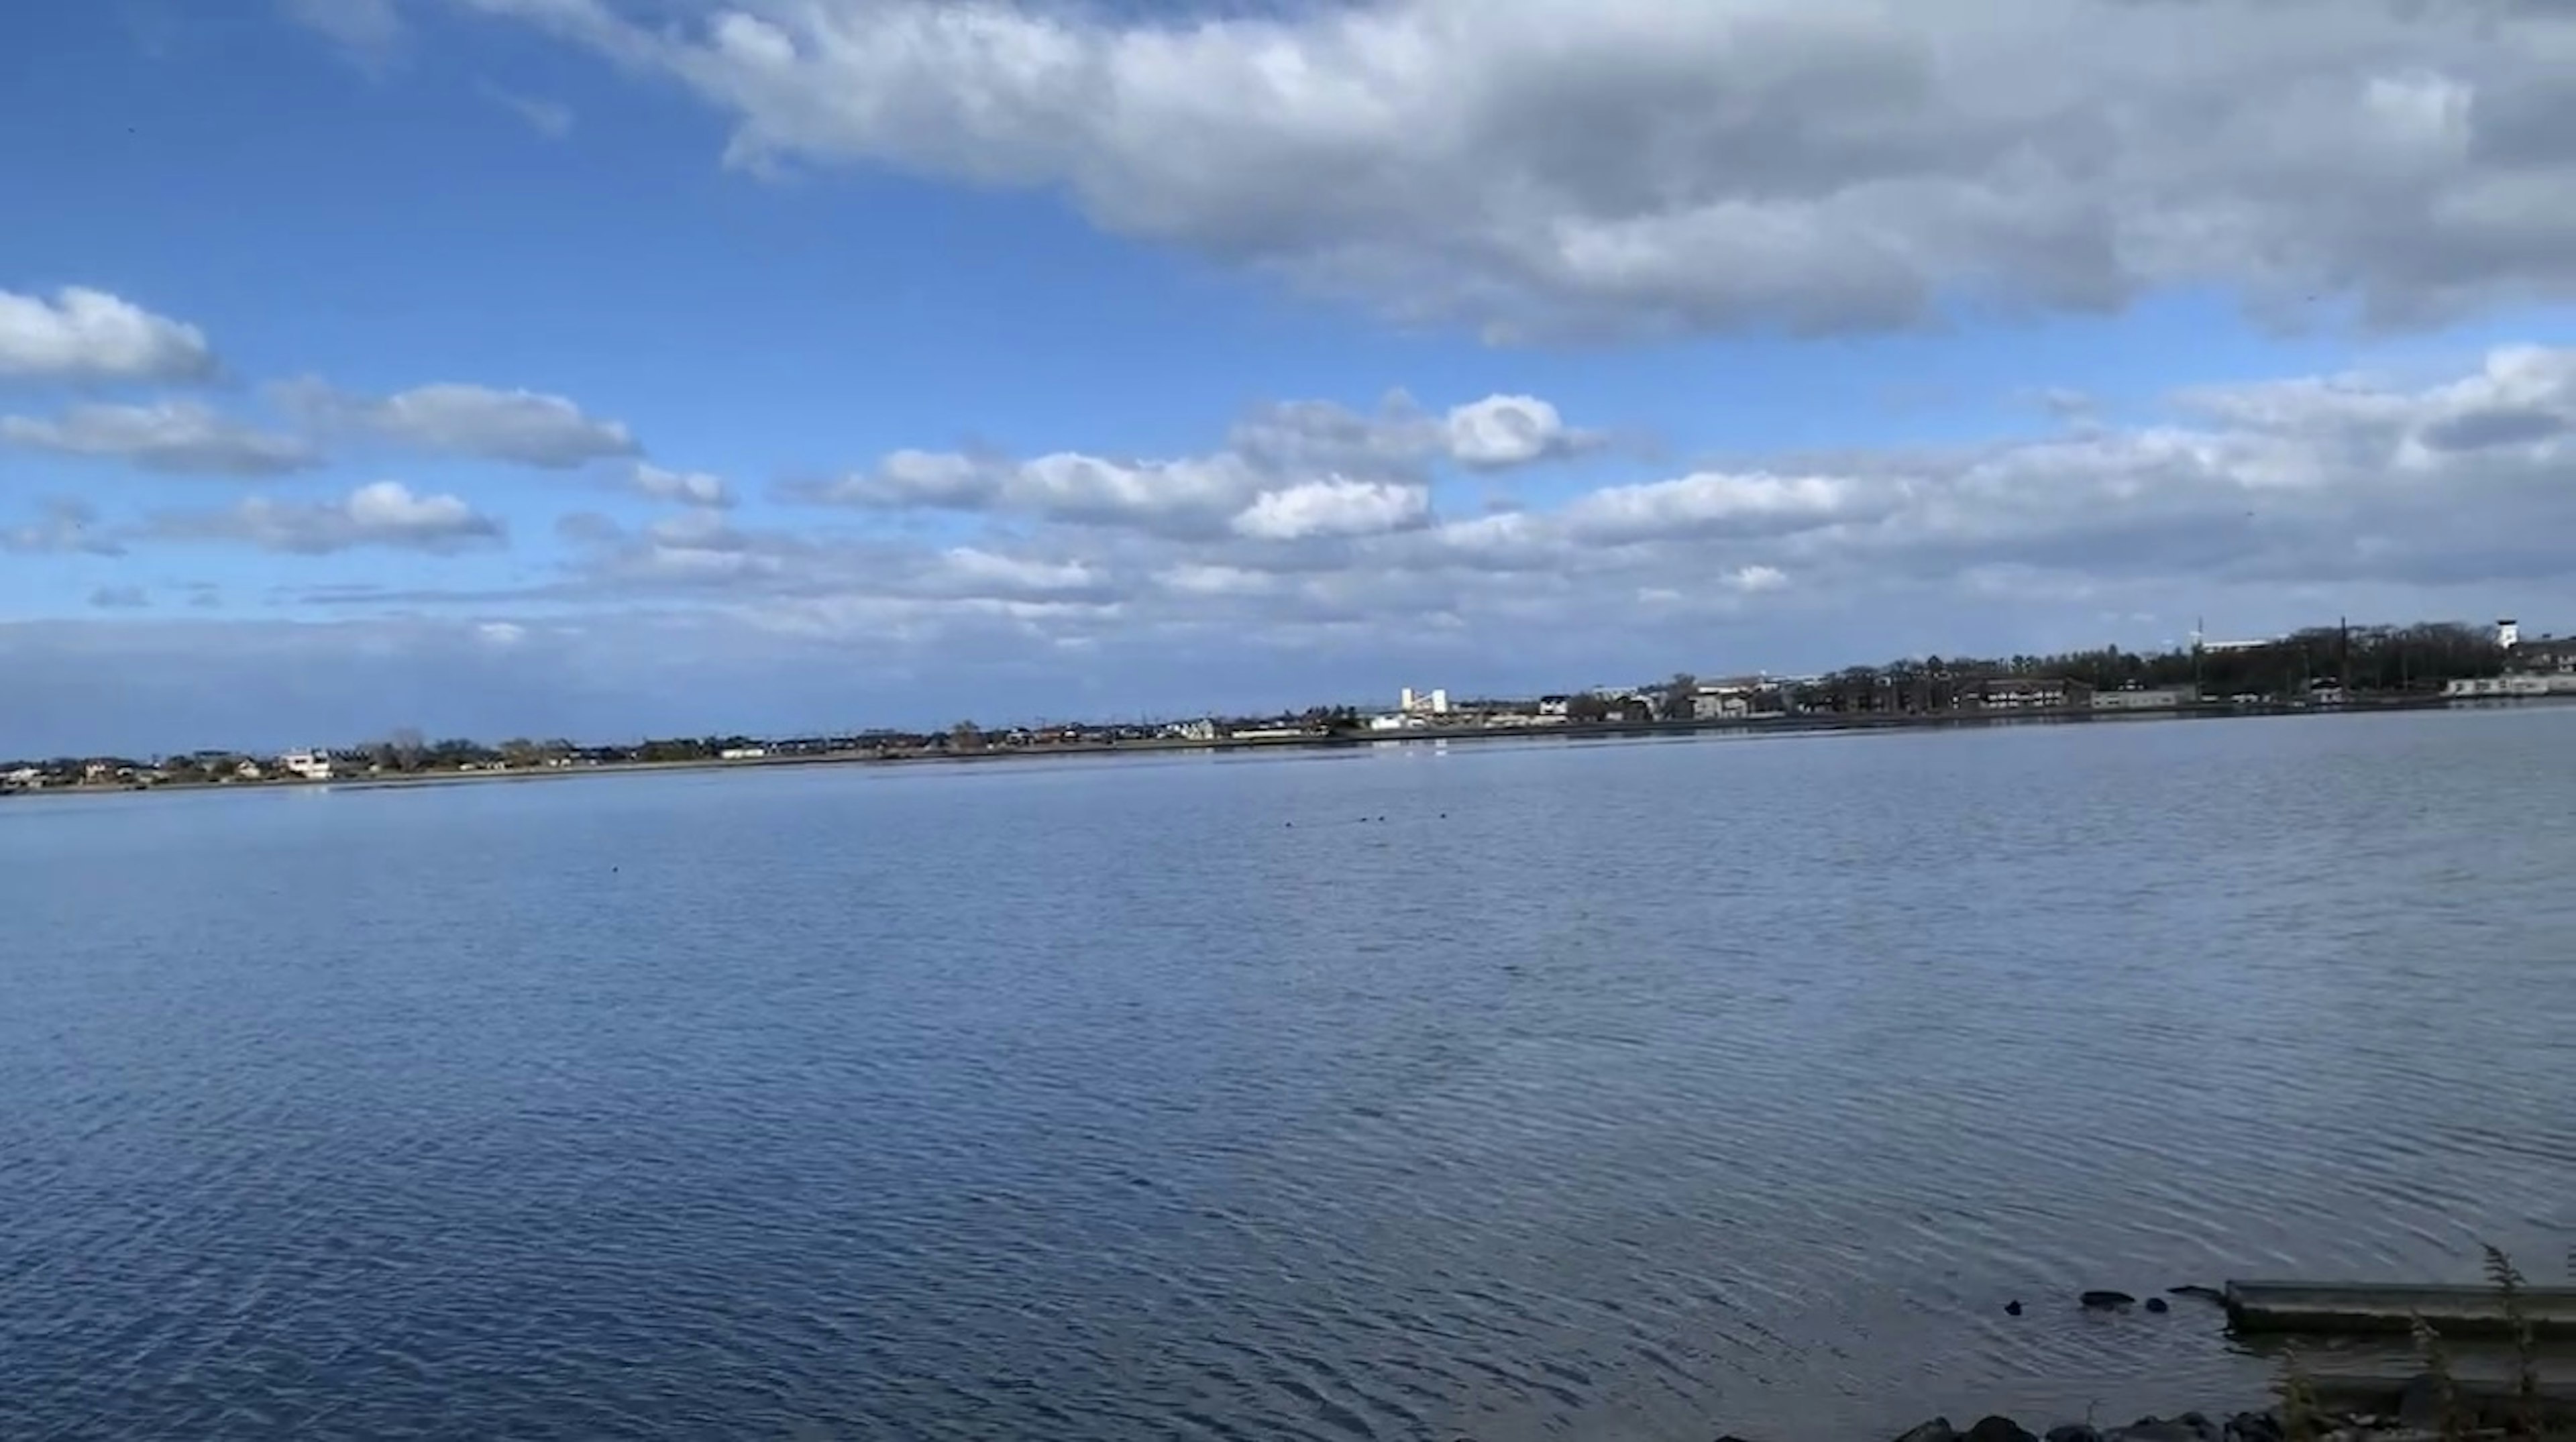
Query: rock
[
  {"x": 1936, "y": 1430},
  {"x": 2099, "y": 1300},
  {"x": 2421, "y": 1404},
  {"x": 2012, "y": 1308},
  {"x": 2073, "y": 1432},
  {"x": 2254, "y": 1427},
  {"x": 1999, "y": 1429},
  {"x": 2157, "y": 1304},
  {"x": 2152, "y": 1429}
]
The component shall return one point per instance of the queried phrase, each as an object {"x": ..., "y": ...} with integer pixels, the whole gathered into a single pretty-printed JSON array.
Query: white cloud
[
  {"x": 2262, "y": 488},
  {"x": 182, "y": 437},
  {"x": 1334, "y": 508},
  {"x": 988, "y": 573},
  {"x": 1580, "y": 166},
  {"x": 692, "y": 488},
  {"x": 1714, "y": 503},
  {"x": 90, "y": 335},
  {"x": 384, "y": 514},
  {"x": 528, "y": 428},
  {"x": 1503, "y": 431},
  {"x": 2270, "y": 503},
  {"x": 1287, "y": 471}
]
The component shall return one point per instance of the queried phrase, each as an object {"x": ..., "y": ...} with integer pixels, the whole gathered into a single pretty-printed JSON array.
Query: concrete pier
[{"x": 2332, "y": 1308}]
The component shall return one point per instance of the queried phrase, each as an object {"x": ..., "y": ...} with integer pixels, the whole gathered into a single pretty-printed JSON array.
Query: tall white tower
[{"x": 2508, "y": 634}]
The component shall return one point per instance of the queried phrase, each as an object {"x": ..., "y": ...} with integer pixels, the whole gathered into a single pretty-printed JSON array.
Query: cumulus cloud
[
  {"x": 523, "y": 427},
  {"x": 1503, "y": 431},
  {"x": 2348, "y": 486},
  {"x": 386, "y": 514},
  {"x": 2269, "y": 488},
  {"x": 2274, "y": 503},
  {"x": 1334, "y": 508},
  {"x": 692, "y": 488},
  {"x": 1286, "y": 471},
  {"x": 90, "y": 335},
  {"x": 1535, "y": 167},
  {"x": 181, "y": 437}
]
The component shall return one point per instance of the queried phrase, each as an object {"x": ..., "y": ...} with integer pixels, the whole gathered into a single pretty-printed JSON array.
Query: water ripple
[{"x": 1629, "y": 1092}]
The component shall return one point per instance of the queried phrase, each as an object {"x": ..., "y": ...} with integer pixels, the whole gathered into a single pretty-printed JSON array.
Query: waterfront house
[
  {"x": 2031, "y": 693},
  {"x": 312, "y": 765},
  {"x": 2144, "y": 698},
  {"x": 2544, "y": 655}
]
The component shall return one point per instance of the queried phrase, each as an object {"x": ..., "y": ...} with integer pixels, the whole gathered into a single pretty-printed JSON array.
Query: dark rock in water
[
  {"x": 1936, "y": 1430},
  {"x": 2012, "y": 1309},
  {"x": 2107, "y": 1299},
  {"x": 2254, "y": 1427},
  {"x": 2199, "y": 1293},
  {"x": 2074, "y": 1432},
  {"x": 2421, "y": 1405},
  {"x": 1999, "y": 1429},
  {"x": 2152, "y": 1429},
  {"x": 2200, "y": 1426},
  {"x": 2157, "y": 1304}
]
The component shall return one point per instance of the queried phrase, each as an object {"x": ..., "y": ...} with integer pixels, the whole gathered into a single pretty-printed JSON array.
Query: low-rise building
[
  {"x": 2032, "y": 693},
  {"x": 2144, "y": 698},
  {"x": 2512, "y": 686},
  {"x": 306, "y": 765},
  {"x": 2543, "y": 655}
]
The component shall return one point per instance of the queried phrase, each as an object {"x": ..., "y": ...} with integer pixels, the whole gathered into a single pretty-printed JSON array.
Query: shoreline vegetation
[
  {"x": 499, "y": 770},
  {"x": 2339, "y": 669}
]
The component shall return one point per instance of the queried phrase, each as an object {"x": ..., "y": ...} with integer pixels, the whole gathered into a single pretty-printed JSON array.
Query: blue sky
[{"x": 612, "y": 366}]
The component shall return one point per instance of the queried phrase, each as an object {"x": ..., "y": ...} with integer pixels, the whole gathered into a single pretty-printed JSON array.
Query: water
[{"x": 1604, "y": 1091}]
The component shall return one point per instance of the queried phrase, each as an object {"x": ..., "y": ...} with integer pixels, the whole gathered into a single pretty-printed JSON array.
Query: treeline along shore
[{"x": 2322, "y": 670}]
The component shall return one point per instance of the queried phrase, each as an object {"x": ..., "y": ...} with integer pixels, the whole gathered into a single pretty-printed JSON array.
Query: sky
[{"x": 607, "y": 368}]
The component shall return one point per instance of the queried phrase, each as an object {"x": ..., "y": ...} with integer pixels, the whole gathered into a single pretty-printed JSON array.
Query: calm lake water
[{"x": 1639, "y": 1090}]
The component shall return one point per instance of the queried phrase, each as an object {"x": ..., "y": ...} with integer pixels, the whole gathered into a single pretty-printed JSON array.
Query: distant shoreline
[{"x": 1577, "y": 731}]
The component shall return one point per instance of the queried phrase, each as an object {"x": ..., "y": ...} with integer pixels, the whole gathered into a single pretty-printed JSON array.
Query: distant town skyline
[{"x": 653, "y": 367}]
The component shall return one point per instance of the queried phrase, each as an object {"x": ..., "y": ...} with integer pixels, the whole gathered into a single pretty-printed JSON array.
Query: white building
[
  {"x": 2508, "y": 634},
  {"x": 1410, "y": 702},
  {"x": 742, "y": 753},
  {"x": 2520, "y": 684},
  {"x": 306, "y": 765}
]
